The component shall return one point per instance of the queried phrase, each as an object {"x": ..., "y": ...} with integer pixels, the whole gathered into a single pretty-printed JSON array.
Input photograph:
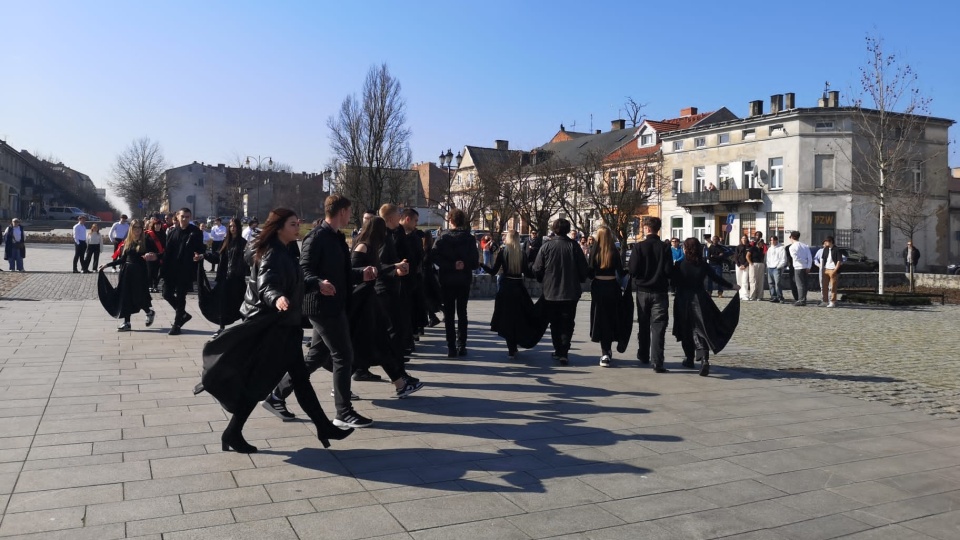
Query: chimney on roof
[
  {"x": 221, "y": 166},
  {"x": 689, "y": 111},
  {"x": 833, "y": 99},
  {"x": 562, "y": 128},
  {"x": 790, "y": 101},
  {"x": 618, "y": 124},
  {"x": 756, "y": 108},
  {"x": 776, "y": 103},
  {"x": 598, "y": 132},
  {"x": 502, "y": 144}
]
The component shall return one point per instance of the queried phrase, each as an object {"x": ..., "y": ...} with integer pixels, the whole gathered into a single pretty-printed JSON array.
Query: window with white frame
[
  {"x": 631, "y": 180},
  {"x": 723, "y": 138},
  {"x": 700, "y": 142},
  {"x": 776, "y": 173},
  {"x": 776, "y": 226},
  {"x": 647, "y": 139},
  {"x": 749, "y": 179},
  {"x": 614, "y": 181},
  {"x": 699, "y": 179},
  {"x": 676, "y": 227},
  {"x": 649, "y": 181},
  {"x": 724, "y": 179},
  {"x": 459, "y": 179},
  {"x": 916, "y": 174},
  {"x": 470, "y": 179},
  {"x": 677, "y": 146},
  {"x": 677, "y": 181},
  {"x": 699, "y": 227},
  {"x": 777, "y": 129},
  {"x": 824, "y": 125},
  {"x": 749, "y": 134},
  {"x": 748, "y": 225}
]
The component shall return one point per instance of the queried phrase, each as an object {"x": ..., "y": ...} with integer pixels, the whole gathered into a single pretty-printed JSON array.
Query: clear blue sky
[{"x": 211, "y": 80}]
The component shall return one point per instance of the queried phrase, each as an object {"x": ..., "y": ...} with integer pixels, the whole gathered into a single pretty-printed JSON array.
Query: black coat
[
  {"x": 388, "y": 282},
  {"x": 325, "y": 256},
  {"x": 693, "y": 307},
  {"x": 277, "y": 274},
  {"x": 9, "y": 244},
  {"x": 650, "y": 264},
  {"x": 132, "y": 293},
  {"x": 221, "y": 303},
  {"x": 181, "y": 245},
  {"x": 561, "y": 267},
  {"x": 452, "y": 246},
  {"x": 368, "y": 320},
  {"x": 515, "y": 317}
]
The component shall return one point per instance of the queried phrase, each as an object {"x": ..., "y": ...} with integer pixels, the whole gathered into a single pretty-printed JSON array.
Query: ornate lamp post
[
  {"x": 445, "y": 159},
  {"x": 259, "y": 161}
]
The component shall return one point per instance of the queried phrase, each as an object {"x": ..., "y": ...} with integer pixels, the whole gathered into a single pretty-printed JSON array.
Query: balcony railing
[{"x": 724, "y": 196}]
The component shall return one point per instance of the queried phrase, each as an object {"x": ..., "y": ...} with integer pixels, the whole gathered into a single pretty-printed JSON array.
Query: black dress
[
  {"x": 611, "y": 308},
  {"x": 132, "y": 293},
  {"x": 369, "y": 321},
  {"x": 221, "y": 303},
  {"x": 515, "y": 318},
  {"x": 696, "y": 319}
]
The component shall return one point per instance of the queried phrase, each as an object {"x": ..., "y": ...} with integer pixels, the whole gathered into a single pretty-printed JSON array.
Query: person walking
[
  {"x": 514, "y": 316},
  {"x": 80, "y": 245},
  {"x": 179, "y": 267},
  {"x": 119, "y": 230},
  {"x": 158, "y": 234},
  {"x": 606, "y": 297},
  {"x": 221, "y": 303},
  {"x": 776, "y": 262},
  {"x": 252, "y": 230},
  {"x": 411, "y": 285},
  {"x": 650, "y": 266},
  {"x": 456, "y": 257},
  {"x": 218, "y": 233},
  {"x": 698, "y": 324},
  {"x": 743, "y": 257},
  {"x": 486, "y": 247},
  {"x": 433, "y": 297},
  {"x": 830, "y": 263},
  {"x": 94, "y": 242},
  {"x": 14, "y": 245},
  {"x": 800, "y": 255},
  {"x": 561, "y": 268},
  {"x": 247, "y": 360},
  {"x": 132, "y": 294},
  {"x": 715, "y": 258},
  {"x": 758, "y": 266}
]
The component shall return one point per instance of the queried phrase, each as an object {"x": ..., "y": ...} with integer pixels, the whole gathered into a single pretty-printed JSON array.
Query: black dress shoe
[
  {"x": 234, "y": 441},
  {"x": 365, "y": 375},
  {"x": 451, "y": 352},
  {"x": 688, "y": 363},
  {"x": 198, "y": 389},
  {"x": 462, "y": 350},
  {"x": 705, "y": 368},
  {"x": 174, "y": 331},
  {"x": 661, "y": 369}
]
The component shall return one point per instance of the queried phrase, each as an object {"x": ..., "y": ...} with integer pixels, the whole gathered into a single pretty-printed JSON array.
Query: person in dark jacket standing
[
  {"x": 389, "y": 286},
  {"x": 411, "y": 285},
  {"x": 456, "y": 255},
  {"x": 184, "y": 248},
  {"x": 326, "y": 260},
  {"x": 223, "y": 302},
  {"x": 650, "y": 264},
  {"x": 561, "y": 267}
]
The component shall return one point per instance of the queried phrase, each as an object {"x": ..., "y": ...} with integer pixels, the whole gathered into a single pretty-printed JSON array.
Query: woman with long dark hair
[
  {"x": 156, "y": 233},
  {"x": 132, "y": 293},
  {"x": 368, "y": 320},
  {"x": 606, "y": 297},
  {"x": 246, "y": 361},
  {"x": 514, "y": 317},
  {"x": 221, "y": 304},
  {"x": 698, "y": 324}
]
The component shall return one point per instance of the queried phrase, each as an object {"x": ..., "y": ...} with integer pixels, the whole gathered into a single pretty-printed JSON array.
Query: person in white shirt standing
[
  {"x": 776, "y": 262},
  {"x": 800, "y": 253},
  {"x": 251, "y": 231},
  {"x": 80, "y": 245},
  {"x": 830, "y": 262},
  {"x": 119, "y": 230},
  {"x": 218, "y": 233}
]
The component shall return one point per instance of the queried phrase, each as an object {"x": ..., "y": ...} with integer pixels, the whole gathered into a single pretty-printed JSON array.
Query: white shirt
[
  {"x": 17, "y": 233},
  {"x": 79, "y": 233},
  {"x": 776, "y": 256},
  {"x": 801, "y": 255},
  {"x": 94, "y": 238},
  {"x": 830, "y": 264},
  {"x": 250, "y": 233},
  {"x": 218, "y": 233},
  {"x": 119, "y": 231},
  {"x": 206, "y": 237}
]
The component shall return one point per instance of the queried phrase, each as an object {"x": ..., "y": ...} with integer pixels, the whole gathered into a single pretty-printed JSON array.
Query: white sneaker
[
  {"x": 831, "y": 304},
  {"x": 605, "y": 361}
]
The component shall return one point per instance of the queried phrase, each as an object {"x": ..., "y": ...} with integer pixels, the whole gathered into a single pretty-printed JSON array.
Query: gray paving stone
[
  {"x": 822, "y": 528},
  {"x": 117, "y": 512},
  {"x": 493, "y": 529},
  {"x": 452, "y": 509},
  {"x": 317, "y": 487},
  {"x": 101, "y": 532},
  {"x": 223, "y": 498},
  {"x": 192, "y": 465},
  {"x": 184, "y": 522},
  {"x": 42, "y": 521},
  {"x": 275, "y": 529},
  {"x": 632, "y": 531},
  {"x": 737, "y": 493},
  {"x": 90, "y": 475},
  {"x": 61, "y": 498},
  {"x": 347, "y": 524},
  {"x": 891, "y": 532},
  {"x": 564, "y": 521},
  {"x": 656, "y": 506},
  {"x": 272, "y": 510},
  {"x": 944, "y": 526}
]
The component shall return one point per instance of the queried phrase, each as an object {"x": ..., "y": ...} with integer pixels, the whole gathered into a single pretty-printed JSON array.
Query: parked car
[
  {"x": 853, "y": 260},
  {"x": 69, "y": 213}
]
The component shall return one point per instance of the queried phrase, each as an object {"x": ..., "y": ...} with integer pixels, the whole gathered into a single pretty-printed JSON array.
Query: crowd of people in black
[{"x": 367, "y": 304}]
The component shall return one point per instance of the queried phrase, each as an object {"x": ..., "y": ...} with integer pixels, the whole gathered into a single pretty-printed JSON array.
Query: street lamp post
[
  {"x": 445, "y": 159},
  {"x": 259, "y": 162}
]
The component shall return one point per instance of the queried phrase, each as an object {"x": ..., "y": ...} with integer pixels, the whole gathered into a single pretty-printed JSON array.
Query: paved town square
[{"x": 823, "y": 430}]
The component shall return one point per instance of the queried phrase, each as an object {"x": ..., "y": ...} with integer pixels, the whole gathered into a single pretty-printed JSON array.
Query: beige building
[
  {"x": 794, "y": 168},
  {"x": 198, "y": 186}
]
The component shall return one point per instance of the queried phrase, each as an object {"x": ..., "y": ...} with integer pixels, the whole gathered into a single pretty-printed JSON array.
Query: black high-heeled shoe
[
  {"x": 329, "y": 431},
  {"x": 236, "y": 442}
]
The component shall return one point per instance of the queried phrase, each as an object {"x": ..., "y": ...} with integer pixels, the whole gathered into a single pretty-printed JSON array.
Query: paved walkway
[{"x": 100, "y": 437}]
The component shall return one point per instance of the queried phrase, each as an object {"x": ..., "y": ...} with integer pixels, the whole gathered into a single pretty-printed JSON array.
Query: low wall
[{"x": 937, "y": 281}]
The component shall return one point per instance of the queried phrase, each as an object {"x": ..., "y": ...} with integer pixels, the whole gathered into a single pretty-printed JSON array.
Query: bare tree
[
  {"x": 908, "y": 212},
  {"x": 138, "y": 174},
  {"x": 534, "y": 186},
  {"x": 630, "y": 183},
  {"x": 634, "y": 111},
  {"x": 370, "y": 137},
  {"x": 890, "y": 116}
]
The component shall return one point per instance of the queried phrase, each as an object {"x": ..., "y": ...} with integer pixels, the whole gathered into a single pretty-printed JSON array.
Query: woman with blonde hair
[
  {"x": 608, "y": 317},
  {"x": 132, "y": 293},
  {"x": 94, "y": 242},
  {"x": 514, "y": 317}
]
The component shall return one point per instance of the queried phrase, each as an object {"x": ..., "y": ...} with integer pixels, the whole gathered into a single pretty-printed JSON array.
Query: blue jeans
[
  {"x": 16, "y": 259},
  {"x": 773, "y": 282},
  {"x": 718, "y": 268}
]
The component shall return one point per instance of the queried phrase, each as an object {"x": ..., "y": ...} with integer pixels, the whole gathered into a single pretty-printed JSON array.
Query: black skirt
[
  {"x": 694, "y": 309},
  {"x": 611, "y": 313},
  {"x": 220, "y": 304},
  {"x": 368, "y": 328},
  {"x": 515, "y": 317},
  {"x": 131, "y": 294}
]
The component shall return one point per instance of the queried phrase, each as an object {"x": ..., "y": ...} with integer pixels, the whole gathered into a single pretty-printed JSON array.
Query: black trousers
[
  {"x": 306, "y": 397},
  {"x": 92, "y": 255},
  {"x": 455, "y": 305},
  {"x": 562, "y": 317},
  {"x": 215, "y": 248},
  {"x": 800, "y": 280},
  {"x": 695, "y": 346},
  {"x": 79, "y": 255},
  {"x": 399, "y": 326},
  {"x": 332, "y": 349},
  {"x": 652, "y": 317},
  {"x": 175, "y": 293}
]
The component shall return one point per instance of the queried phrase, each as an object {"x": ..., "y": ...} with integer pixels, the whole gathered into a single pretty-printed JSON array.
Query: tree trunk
[{"x": 880, "y": 236}]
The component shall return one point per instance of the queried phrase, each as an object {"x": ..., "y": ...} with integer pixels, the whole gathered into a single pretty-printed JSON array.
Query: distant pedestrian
[
  {"x": 218, "y": 233},
  {"x": 800, "y": 254},
  {"x": 14, "y": 245},
  {"x": 910, "y": 256},
  {"x": 252, "y": 230},
  {"x": 561, "y": 268},
  {"x": 158, "y": 234},
  {"x": 132, "y": 293},
  {"x": 743, "y": 257},
  {"x": 80, "y": 245},
  {"x": 455, "y": 254},
  {"x": 119, "y": 230},
  {"x": 608, "y": 322},
  {"x": 650, "y": 266},
  {"x": 94, "y": 242},
  {"x": 759, "y": 266},
  {"x": 776, "y": 263},
  {"x": 534, "y": 243},
  {"x": 514, "y": 317},
  {"x": 486, "y": 246},
  {"x": 830, "y": 263},
  {"x": 716, "y": 256},
  {"x": 179, "y": 268},
  {"x": 221, "y": 303}
]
